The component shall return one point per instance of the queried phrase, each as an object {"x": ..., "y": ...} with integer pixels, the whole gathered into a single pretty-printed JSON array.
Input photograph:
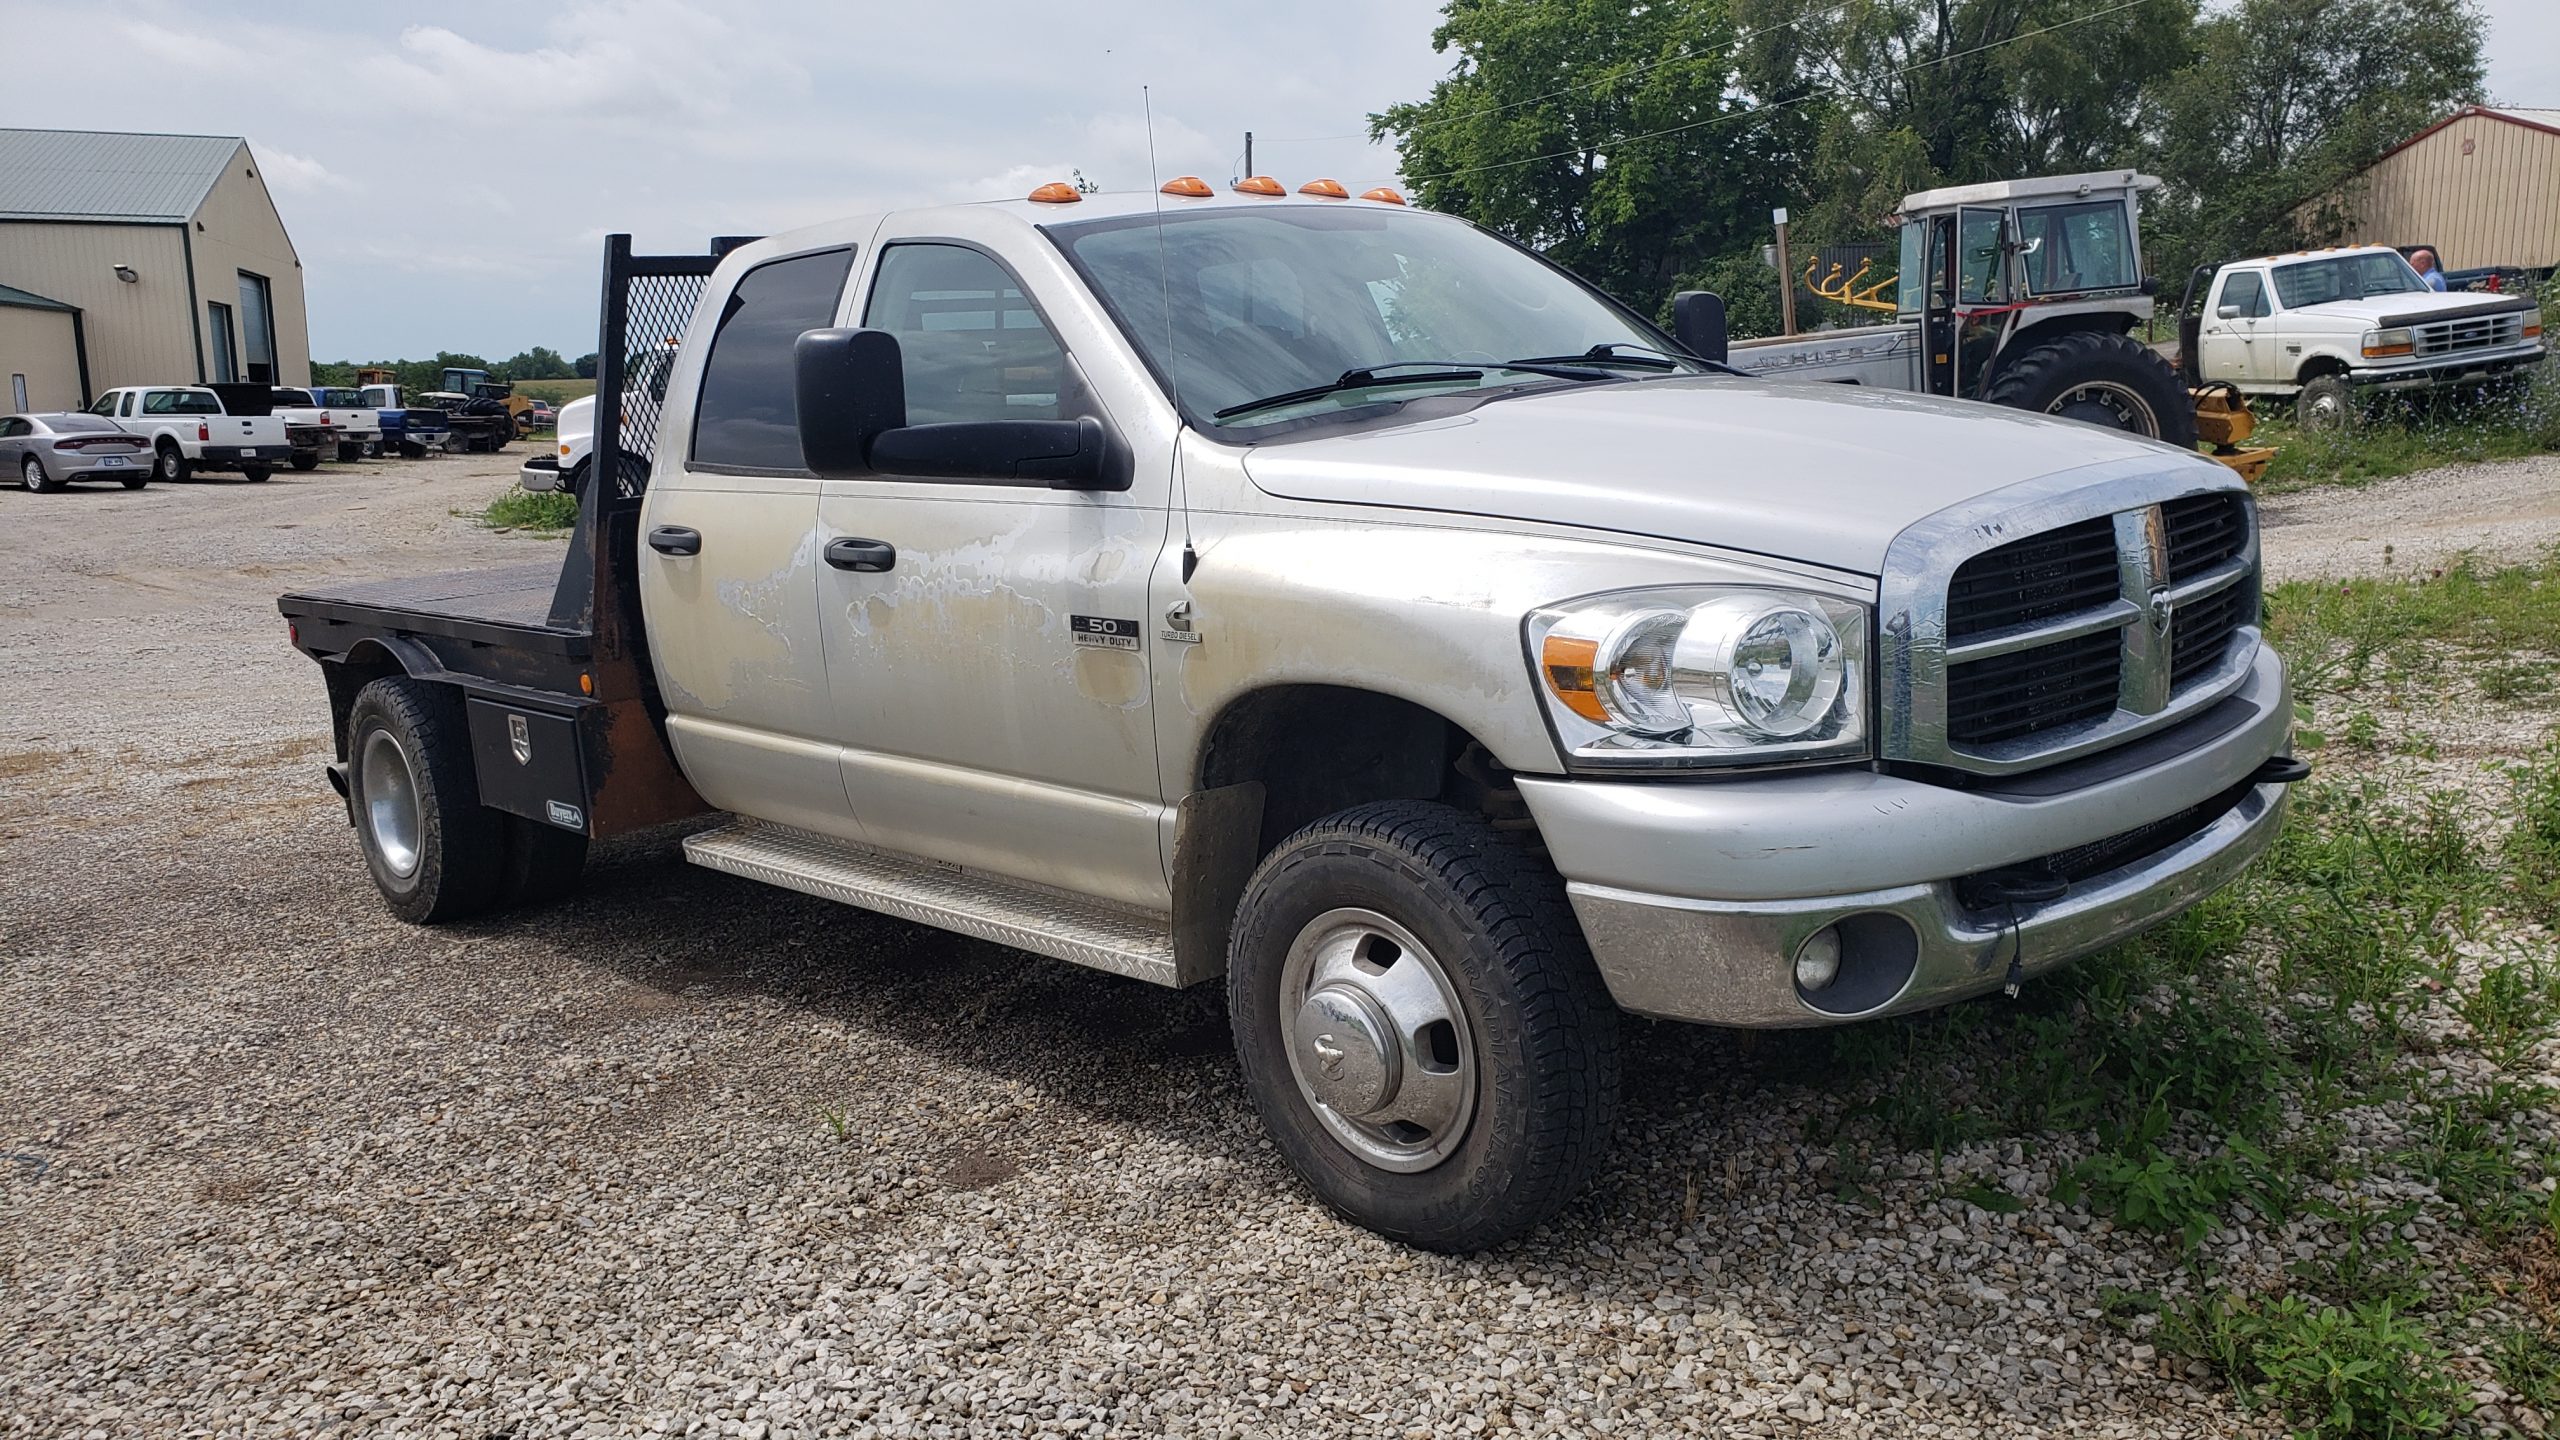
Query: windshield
[
  {"x": 1288, "y": 299},
  {"x": 2347, "y": 277},
  {"x": 338, "y": 397}
]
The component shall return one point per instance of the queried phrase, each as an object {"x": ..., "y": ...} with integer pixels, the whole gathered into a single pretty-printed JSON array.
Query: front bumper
[
  {"x": 1696, "y": 898},
  {"x": 541, "y": 475},
  {"x": 2452, "y": 369}
]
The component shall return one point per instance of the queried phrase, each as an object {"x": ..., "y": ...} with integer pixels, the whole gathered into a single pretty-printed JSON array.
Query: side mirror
[
  {"x": 2227, "y": 312},
  {"x": 851, "y": 388},
  {"x": 1697, "y": 322},
  {"x": 2150, "y": 285}
]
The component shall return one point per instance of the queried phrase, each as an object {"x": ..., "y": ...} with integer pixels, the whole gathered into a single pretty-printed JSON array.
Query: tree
[
  {"x": 2288, "y": 100},
  {"x": 1612, "y": 136},
  {"x": 586, "y": 366},
  {"x": 539, "y": 363}
]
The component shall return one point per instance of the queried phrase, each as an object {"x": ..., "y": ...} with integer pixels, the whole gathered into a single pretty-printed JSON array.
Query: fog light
[{"x": 1818, "y": 963}]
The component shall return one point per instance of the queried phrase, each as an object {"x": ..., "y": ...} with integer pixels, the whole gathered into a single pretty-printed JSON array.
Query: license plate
[{"x": 111, "y": 460}]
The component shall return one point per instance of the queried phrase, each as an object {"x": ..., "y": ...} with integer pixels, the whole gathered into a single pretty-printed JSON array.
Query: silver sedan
[{"x": 46, "y": 452}]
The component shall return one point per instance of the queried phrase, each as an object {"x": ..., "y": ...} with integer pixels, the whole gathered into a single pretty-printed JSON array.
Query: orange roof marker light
[
  {"x": 1329, "y": 189},
  {"x": 1056, "y": 192},
  {"x": 1383, "y": 196},
  {"x": 1188, "y": 186},
  {"x": 1260, "y": 185}
]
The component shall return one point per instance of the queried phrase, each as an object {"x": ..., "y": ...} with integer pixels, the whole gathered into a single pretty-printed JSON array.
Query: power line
[
  {"x": 1691, "y": 54},
  {"x": 1778, "y": 105}
]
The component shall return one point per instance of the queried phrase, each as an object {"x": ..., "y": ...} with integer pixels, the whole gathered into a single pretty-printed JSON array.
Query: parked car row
[{"x": 137, "y": 433}]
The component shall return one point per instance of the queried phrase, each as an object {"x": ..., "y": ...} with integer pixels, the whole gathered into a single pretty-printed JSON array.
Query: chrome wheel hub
[
  {"x": 390, "y": 803},
  {"x": 2103, "y": 402},
  {"x": 1377, "y": 1041}
]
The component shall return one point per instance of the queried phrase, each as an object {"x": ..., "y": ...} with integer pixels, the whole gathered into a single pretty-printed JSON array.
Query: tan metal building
[
  {"x": 44, "y": 355},
  {"x": 168, "y": 246},
  {"x": 2481, "y": 185}
]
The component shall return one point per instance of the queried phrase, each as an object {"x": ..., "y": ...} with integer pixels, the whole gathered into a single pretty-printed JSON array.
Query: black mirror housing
[
  {"x": 851, "y": 388},
  {"x": 1697, "y": 322}
]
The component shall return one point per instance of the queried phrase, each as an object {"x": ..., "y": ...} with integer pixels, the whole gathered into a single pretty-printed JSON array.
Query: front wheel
[
  {"x": 1421, "y": 1027},
  {"x": 2325, "y": 404},
  {"x": 412, "y": 450},
  {"x": 435, "y": 852},
  {"x": 31, "y": 474},
  {"x": 2100, "y": 377}
]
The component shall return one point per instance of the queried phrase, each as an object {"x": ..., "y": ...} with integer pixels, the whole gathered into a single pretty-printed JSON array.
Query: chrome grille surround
[
  {"x": 1913, "y": 656},
  {"x": 2469, "y": 332}
]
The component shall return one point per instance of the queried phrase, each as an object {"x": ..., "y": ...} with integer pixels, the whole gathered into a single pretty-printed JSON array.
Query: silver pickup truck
[{"x": 1334, "y": 599}]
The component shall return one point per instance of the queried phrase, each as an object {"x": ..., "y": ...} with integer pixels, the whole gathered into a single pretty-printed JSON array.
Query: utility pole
[
  {"x": 1786, "y": 275},
  {"x": 1248, "y": 154}
]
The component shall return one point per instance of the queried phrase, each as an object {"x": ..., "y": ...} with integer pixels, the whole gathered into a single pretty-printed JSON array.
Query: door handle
[
  {"x": 676, "y": 540},
  {"x": 870, "y": 556}
]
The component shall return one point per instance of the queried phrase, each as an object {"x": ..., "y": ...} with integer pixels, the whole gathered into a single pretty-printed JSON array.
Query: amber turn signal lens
[
  {"x": 1188, "y": 186},
  {"x": 1056, "y": 192},
  {"x": 2375, "y": 352},
  {"x": 1567, "y": 663},
  {"x": 1383, "y": 195},
  {"x": 1260, "y": 185},
  {"x": 1330, "y": 189}
]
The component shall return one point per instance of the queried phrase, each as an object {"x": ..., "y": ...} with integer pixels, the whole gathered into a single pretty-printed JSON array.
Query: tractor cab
[{"x": 1989, "y": 268}]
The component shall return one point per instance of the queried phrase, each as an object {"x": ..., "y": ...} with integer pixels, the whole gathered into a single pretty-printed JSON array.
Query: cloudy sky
[{"x": 448, "y": 172}]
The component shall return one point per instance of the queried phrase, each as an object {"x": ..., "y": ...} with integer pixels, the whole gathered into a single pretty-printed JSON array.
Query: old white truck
[
  {"x": 1333, "y": 599},
  {"x": 190, "y": 429},
  {"x": 2328, "y": 329}
]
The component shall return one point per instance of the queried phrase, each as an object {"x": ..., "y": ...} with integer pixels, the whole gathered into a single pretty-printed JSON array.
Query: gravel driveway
[{"x": 686, "y": 1154}]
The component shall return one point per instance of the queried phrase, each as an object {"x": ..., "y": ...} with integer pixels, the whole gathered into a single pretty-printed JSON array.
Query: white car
[{"x": 2319, "y": 326}]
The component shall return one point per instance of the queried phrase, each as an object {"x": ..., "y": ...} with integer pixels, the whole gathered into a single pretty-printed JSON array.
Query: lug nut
[{"x": 1818, "y": 963}]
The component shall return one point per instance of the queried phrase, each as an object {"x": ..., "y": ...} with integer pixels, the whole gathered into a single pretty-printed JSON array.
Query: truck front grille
[
  {"x": 2470, "y": 332},
  {"x": 2076, "y": 636}
]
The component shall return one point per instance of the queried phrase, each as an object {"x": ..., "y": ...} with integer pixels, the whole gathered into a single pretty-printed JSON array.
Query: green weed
[
  {"x": 531, "y": 510},
  {"x": 2364, "y": 1370}
]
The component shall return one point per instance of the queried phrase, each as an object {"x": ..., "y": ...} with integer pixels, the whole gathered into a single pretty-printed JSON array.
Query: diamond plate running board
[{"x": 1026, "y": 917}]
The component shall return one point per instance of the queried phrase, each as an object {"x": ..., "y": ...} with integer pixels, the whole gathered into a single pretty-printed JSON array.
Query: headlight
[
  {"x": 1709, "y": 675},
  {"x": 2395, "y": 341},
  {"x": 2533, "y": 324}
]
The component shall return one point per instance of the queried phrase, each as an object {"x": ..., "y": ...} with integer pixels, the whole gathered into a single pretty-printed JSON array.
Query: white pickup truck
[
  {"x": 1335, "y": 599},
  {"x": 347, "y": 428},
  {"x": 190, "y": 431},
  {"x": 2326, "y": 328}
]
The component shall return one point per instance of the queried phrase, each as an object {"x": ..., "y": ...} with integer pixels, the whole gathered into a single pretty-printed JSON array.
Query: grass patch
[
  {"x": 547, "y": 511},
  {"x": 2359, "y": 1370},
  {"x": 2402, "y": 435}
]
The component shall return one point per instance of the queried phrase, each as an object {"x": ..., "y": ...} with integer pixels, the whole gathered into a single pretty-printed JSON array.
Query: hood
[
  {"x": 1826, "y": 474},
  {"x": 2411, "y": 308}
]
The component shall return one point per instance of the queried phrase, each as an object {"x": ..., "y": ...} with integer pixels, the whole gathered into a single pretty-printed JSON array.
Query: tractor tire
[
  {"x": 2326, "y": 405},
  {"x": 2102, "y": 378}
]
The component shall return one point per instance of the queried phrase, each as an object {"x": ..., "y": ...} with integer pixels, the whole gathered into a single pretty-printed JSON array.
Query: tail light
[
  {"x": 203, "y": 431},
  {"x": 97, "y": 442},
  {"x": 324, "y": 420}
]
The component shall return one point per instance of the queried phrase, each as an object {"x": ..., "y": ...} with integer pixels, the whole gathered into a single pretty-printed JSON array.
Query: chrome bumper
[
  {"x": 1696, "y": 898},
  {"x": 541, "y": 475}
]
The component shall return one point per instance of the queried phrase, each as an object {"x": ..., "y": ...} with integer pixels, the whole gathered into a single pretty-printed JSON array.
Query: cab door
[
  {"x": 729, "y": 561},
  {"x": 2234, "y": 337},
  {"x": 987, "y": 643}
]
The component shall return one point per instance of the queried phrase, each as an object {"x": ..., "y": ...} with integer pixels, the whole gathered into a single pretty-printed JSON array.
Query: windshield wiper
[
  {"x": 1643, "y": 357},
  {"x": 1369, "y": 377}
]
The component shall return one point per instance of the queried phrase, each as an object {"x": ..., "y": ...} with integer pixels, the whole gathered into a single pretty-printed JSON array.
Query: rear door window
[
  {"x": 180, "y": 402},
  {"x": 746, "y": 418}
]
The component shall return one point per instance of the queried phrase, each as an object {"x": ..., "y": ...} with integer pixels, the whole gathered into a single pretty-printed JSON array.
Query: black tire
[
  {"x": 170, "y": 463},
  {"x": 373, "y": 449},
  {"x": 543, "y": 862},
  {"x": 2326, "y": 405},
  {"x": 2099, "y": 377},
  {"x": 1494, "y": 923},
  {"x": 412, "y": 450},
  {"x": 134, "y": 482},
  {"x": 256, "y": 474},
  {"x": 304, "y": 460},
  {"x": 454, "y": 848},
  {"x": 33, "y": 475},
  {"x": 350, "y": 451}
]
